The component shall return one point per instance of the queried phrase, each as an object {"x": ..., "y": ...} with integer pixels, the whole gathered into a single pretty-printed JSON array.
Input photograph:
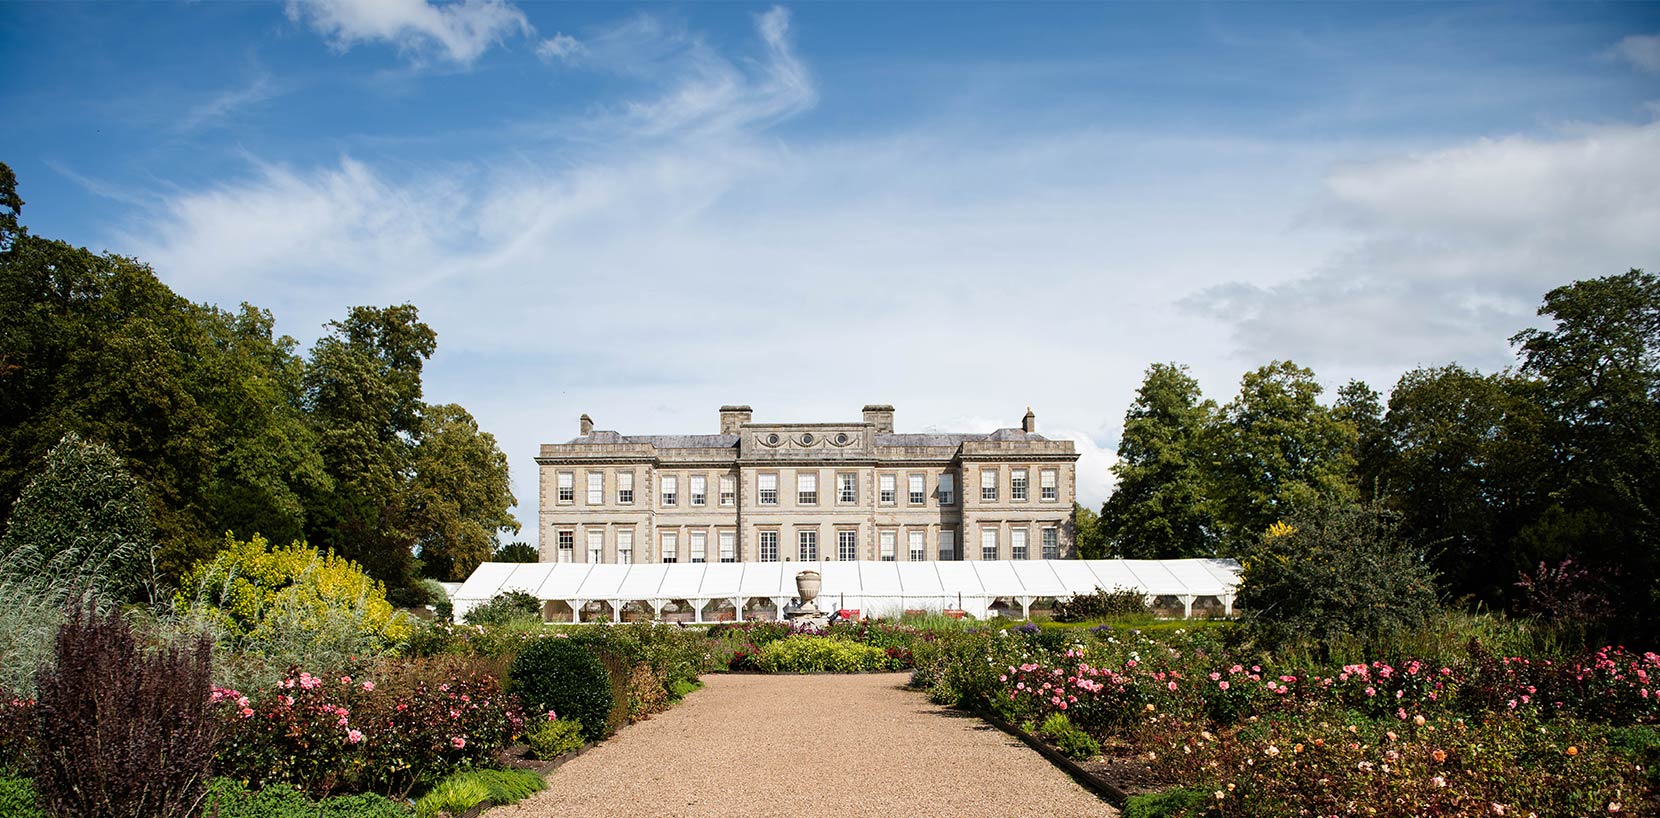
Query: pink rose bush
[{"x": 418, "y": 723}]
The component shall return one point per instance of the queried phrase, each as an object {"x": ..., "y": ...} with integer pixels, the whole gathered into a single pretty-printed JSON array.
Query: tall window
[
  {"x": 567, "y": 487},
  {"x": 988, "y": 543},
  {"x": 948, "y": 489},
  {"x": 806, "y": 489},
  {"x": 596, "y": 488},
  {"x": 1017, "y": 484},
  {"x": 596, "y": 546},
  {"x": 988, "y": 484},
  {"x": 886, "y": 488},
  {"x": 700, "y": 490},
  {"x": 1051, "y": 544},
  {"x": 918, "y": 489},
  {"x": 948, "y": 545},
  {"x": 919, "y": 546},
  {"x": 887, "y": 540},
  {"x": 700, "y": 544},
  {"x": 567, "y": 546},
  {"x": 728, "y": 491},
  {"x": 1017, "y": 544},
  {"x": 728, "y": 546},
  {"x": 768, "y": 489},
  {"x": 625, "y": 546},
  {"x": 671, "y": 491},
  {"x": 671, "y": 547},
  {"x": 847, "y": 488},
  {"x": 806, "y": 546},
  {"x": 847, "y": 545},
  {"x": 769, "y": 546},
  {"x": 625, "y": 487},
  {"x": 1049, "y": 484}
]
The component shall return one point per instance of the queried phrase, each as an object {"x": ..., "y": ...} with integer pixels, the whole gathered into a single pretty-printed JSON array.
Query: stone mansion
[{"x": 806, "y": 492}]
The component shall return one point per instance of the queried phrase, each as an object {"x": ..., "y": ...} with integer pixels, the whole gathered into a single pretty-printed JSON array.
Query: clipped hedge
[
  {"x": 551, "y": 738},
  {"x": 565, "y": 677},
  {"x": 817, "y": 654}
]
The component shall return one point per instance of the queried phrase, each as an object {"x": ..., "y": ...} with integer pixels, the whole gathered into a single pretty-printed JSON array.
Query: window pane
[
  {"x": 917, "y": 490},
  {"x": 769, "y": 546},
  {"x": 699, "y": 544},
  {"x": 625, "y": 547},
  {"x": 847, "y": 545},
  {"x": 847, "y": 487},
  {"x": 596, "y": 546},
  {"x": 728, "y": 546},
  {"x": 806, "y": 489},
  {"x": 1017, "y": 484},
  {"x": 768, "y": 489},
  {"x": 670, "y": 547},
  {"x": 919, "y": 546},
  {"x": 728, "y": 491},
  {"x": 1017, "y": 544},
  {"x": 700, "y": 489},
  {"x": 948, "y": 489},
  {"x": 988, "y": 543},
  {"x": 887, "y": 552},
  {"x": 948, "y": 545},
  {"x": 596, "y": 488},
  {"x": 1051, "y": 544},
  {"x": 807, "y": 546}
]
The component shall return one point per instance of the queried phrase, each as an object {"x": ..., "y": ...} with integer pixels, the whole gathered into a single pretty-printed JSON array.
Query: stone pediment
[{"x": 806, "y": 441}]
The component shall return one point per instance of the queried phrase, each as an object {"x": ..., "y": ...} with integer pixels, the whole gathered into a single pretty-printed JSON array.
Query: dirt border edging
[{"x": 1094, "y": 783}]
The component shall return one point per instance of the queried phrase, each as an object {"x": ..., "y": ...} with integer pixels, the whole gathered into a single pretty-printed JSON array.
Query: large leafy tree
[
  {"x": 1598, "y": 381},
  {"x": 1277, "y": 449},
  {"x": 1160, "y": 508},
  {"x": 460, "y": 493},
  {"x": 1463, "y": 467}
]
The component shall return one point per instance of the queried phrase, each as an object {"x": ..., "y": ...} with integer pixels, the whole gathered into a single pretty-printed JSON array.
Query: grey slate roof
[{"x": 730, "y": 441}]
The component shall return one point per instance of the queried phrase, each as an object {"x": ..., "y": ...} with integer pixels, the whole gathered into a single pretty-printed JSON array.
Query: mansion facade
[{"x": 806, "y": 492}]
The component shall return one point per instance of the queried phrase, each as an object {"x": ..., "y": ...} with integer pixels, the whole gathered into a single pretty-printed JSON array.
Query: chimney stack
[
  {"x": 732, "y": 417},
  {"x": 881, "y": 416},
  {"x": 587, "y": 425},
  {"x": 1028, "y": 424}
]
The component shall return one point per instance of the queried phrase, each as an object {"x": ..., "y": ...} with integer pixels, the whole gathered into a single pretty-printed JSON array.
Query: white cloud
[
  {"x": 1450, "y": 251},
  {"x": 228, "y": 103},
  {"x": 560, "y": 47},
  {"x": 460, "y": 31},
  {"x": 671, "y": 254},
  {"x": 1642, "y": 51}
]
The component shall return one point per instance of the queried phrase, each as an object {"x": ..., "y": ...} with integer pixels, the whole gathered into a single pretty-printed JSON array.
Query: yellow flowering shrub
[{"x": 259, "y": 593}]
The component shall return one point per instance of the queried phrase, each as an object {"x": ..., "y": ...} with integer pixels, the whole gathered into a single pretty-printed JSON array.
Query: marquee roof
[{"x": 863, "y": 584}]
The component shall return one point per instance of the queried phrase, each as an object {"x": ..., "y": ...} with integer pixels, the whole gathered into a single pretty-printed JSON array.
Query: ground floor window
[
  {"x": 948, "y": 545},
  {"x": 596, "y": 546},
  {"x": 769, "y": 546},
  {"x": 888, "y": 539},
  {"x": 625, "y": 547},
  {"x": 847, "y": 545},
  {"x": 1051, "y": 544},
  {"x": 728, "y": 546},
  {"x": 671, "y": 547},
  {"x": 1017, "y": 544},
  {"x": 988, "y": 543},
  {"x": 567, "y": 546},
  {"x": 807, "y": 546},
  {"x": 919, "y": 546},
  {"x": 699, "y": 545}
]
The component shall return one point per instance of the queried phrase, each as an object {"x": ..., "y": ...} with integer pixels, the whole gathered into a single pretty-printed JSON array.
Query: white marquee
[{"x": 874, "y": 588}]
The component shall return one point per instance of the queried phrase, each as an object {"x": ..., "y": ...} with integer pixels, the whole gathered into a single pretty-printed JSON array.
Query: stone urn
[{"x": 807, "y": 584}]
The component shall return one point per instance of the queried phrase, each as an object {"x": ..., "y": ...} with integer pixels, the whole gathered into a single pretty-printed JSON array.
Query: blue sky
[{"x": 643, "y": 212}]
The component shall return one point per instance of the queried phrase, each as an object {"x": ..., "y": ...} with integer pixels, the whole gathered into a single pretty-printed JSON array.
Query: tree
[
  {"x": 1464, "y": 468},
  {"x": 1361, "y": 406},
  {"x": 363, "y": 394},
  {"x": 1086, "y": 528},
  {"x": 1159, "y": 508},
  {"x": 1276, "y": 450},
  {"x": 460, "y": 494},
  {"x": 82, "y": 510},
  {"x": 516, "y": 552},
  {"x": 1598, "y": 371},
  {"x": 11, "y": 207}
]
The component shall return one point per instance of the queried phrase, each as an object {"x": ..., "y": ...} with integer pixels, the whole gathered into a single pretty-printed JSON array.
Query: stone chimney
[
  {"x": 731, "y": 417},
  {"x": 1028, "y": 424},
  {"x": 587, "y": 425},
  {"x": 880, "y": 415}
]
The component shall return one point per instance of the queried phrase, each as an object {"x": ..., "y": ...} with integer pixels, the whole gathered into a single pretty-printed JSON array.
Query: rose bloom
[
  {"x": 458, "y": 742},
  {"x": 1439, "y": 755},
  {"x": 1572, "y": 750}
]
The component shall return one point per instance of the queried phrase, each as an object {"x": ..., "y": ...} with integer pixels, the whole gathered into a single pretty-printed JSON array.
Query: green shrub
[
  {"x": 1100, "y": 604},
  {"x": 1335, "y": 575},
  {"x": 460, "y": 792},
  {"x": 561, "y": 675},
  {"x": 818, "y": 654},
  {"x": 505, "y": 607},
  {"x": 681, "y": 688},
  {"x": 551, "y": 738},
  {"x": 1180, "y": 802},
  {"x": 229, "y": 799},
  {"x": 442, "y": 608},
  {"x": 1075, "y": 743},
  {"x": 17, "y": 799}
]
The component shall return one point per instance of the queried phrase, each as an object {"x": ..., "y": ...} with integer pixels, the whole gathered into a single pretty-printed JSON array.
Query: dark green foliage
[
  {"x": 1338, "y": 574},
  {"x": 505, "y": 607},
  {"x": 17, "y": 799},
  {"x": 1159, "y": 509},
  {"x": 561, "y": 675},
  {"x": 1086, "y": 533},
  {"x": 516, "y": 552},
  {"x": 229, "y": 799},
  {"x": 82, "y": 509},
  {"x": 120, "y": 733},
  {"x": 1099, "y": 604},
  {"x": 1181, "y": 802}
]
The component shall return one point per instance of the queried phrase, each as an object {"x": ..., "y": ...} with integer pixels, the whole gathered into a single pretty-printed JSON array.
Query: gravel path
[{"x": 809, "y": 747}]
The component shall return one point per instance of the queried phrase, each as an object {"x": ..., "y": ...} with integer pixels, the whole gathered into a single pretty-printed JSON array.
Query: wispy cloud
[
  {"x": 1450, "y": 250},
  {"x": 226, "y": 104},
  {"x": 560, "y": 47},
  {"x": 1641, "y": 51},
  {"x": 458, "y": 31}
]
